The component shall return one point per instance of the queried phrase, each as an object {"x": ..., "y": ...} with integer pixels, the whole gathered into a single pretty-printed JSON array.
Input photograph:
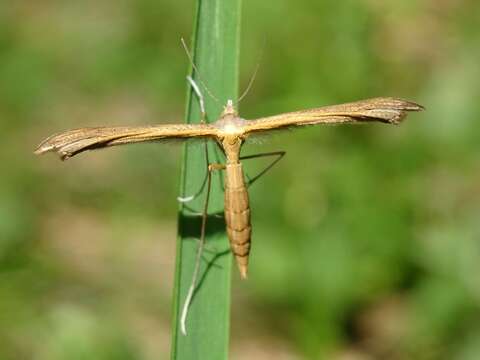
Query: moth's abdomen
[{"x": 237, "y": 216}]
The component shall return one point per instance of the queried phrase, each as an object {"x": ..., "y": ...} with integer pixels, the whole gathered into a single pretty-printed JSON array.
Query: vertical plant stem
[{"x": 215, "y": 53}]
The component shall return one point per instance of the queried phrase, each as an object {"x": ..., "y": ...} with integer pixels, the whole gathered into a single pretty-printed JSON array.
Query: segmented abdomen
[{"x": 237, "y": 215}]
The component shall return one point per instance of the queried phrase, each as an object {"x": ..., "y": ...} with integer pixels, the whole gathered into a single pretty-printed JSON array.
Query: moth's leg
[
  {"x": 278, "y": 156},
  {"x": 196, "y": 90},
  {"x": 198, "y": 93},
  {"x": 212, "y": 167},
  {"x": 186, "y": 199},
  {"x": 201, "y": 244},
  {"x": 216, "y": 166}
]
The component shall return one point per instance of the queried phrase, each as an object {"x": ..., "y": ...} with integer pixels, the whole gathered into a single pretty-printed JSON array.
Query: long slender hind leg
[
  {"x": 279, "y": 155},
  {"x": 201, "y": 245},
  {"x": 203, "y": 114}
]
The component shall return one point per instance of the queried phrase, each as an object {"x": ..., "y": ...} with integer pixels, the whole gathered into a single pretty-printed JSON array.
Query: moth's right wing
[
  {"x": 386, "y": 110},
  {"x": 70, "y": 143}
]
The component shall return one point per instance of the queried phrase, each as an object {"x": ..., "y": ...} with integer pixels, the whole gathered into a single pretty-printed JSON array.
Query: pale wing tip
[
  {"x": 39, "y": 151},
  {"x": 411, "y": 106},
  {"x": 45, "y": 147},
  {"x": 396, "y": 110},
  {"x": 405, "y": 105}
]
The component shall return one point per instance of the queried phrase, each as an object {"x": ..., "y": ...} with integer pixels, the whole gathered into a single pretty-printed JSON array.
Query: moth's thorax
[
  {"x": 229, "y": 122},
  {"x": 231, "y": 132}
]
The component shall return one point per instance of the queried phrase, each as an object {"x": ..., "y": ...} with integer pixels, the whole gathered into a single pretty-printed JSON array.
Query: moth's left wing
[
  {"x": 386, "y": 110},
  {"x": 72, "y": 142}
]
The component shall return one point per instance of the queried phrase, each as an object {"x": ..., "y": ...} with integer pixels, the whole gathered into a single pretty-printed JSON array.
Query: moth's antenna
[
  {"x": 198, "y": 72},
  {"x": 250, "y": 83},
  {"x": 254, "y": 75}
]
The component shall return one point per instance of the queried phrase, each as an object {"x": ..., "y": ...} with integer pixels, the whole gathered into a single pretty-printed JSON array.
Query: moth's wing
[
  {"x": 70, "y": 143},
  {"x": 386, "y": 110}
]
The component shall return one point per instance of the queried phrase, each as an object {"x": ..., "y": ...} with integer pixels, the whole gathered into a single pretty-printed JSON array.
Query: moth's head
[{"x": 229, "y": 109}]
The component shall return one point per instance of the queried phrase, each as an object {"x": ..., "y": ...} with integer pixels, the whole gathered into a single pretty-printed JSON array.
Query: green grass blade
[{"x": 216, "y": 53}]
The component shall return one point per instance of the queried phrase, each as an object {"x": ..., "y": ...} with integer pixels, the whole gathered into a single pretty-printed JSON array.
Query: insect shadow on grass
[{"x": 188, "y": 226}]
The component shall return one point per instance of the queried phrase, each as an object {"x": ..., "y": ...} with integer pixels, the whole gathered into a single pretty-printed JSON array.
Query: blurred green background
[{"x": 366, "y": 238}]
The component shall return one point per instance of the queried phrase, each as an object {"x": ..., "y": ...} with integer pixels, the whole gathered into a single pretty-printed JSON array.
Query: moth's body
[
  {"x": 230, "y": 131},
  {"x": 237, "y": 207}
]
